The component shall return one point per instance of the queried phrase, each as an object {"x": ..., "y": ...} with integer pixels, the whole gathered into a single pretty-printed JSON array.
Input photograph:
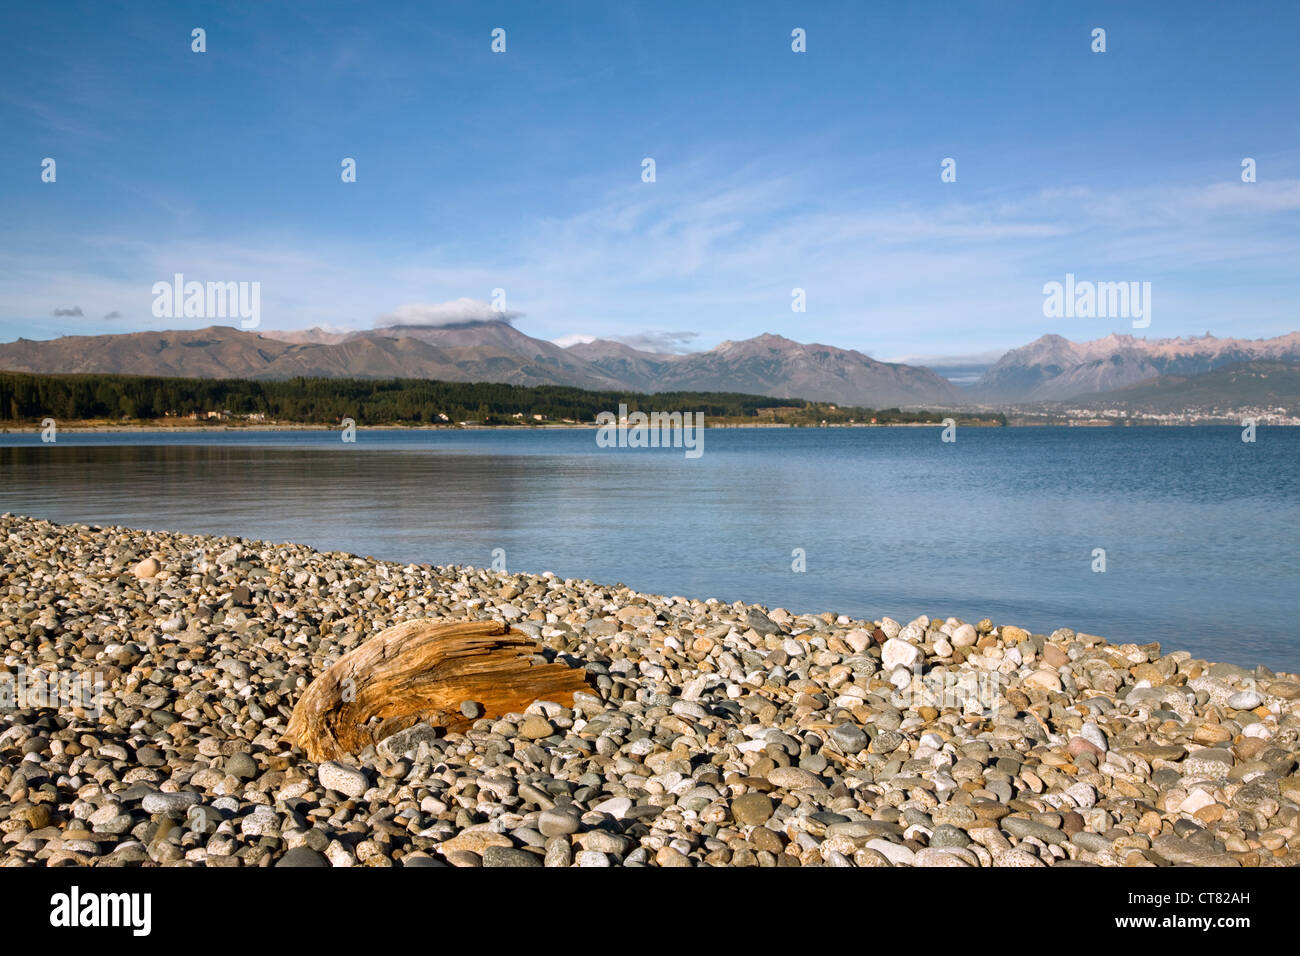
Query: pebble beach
[{"x": 147, "y": 679}]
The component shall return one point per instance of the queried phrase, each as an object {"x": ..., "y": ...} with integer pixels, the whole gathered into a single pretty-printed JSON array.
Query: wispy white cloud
[
  {"x": 456, "y": 312},
  {"x": 718, "y": 251},
  {"x": 659, "y": 341}
]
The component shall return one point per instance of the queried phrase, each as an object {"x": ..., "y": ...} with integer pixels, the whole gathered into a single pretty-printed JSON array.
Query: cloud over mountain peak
[{"x": 462, "y": 311}]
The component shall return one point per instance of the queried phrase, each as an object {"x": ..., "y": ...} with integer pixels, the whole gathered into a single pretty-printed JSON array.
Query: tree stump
[{"x": 422, "y": 671}]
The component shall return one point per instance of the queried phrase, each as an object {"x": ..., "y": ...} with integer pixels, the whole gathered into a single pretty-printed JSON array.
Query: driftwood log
[{"x": 423, "y": 671}]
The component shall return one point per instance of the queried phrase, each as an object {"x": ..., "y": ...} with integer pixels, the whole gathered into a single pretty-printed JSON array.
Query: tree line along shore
[{"x": 149, "y": 401}]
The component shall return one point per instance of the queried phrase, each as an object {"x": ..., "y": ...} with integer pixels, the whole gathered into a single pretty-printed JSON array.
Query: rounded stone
[
  {"x": 964, "y": 636},
  {"x": 509, "y": 856},
  {"x": 559, "y": 821},
  {"x": 169, "y": 802},
  {"x": 899, "y": 653},
  {"x": 559, "y": 852},
  {"x": 342, "y": 778},
  {"x": 792, "y": 778},
  {"x": 1095, "y": 736},
  {"x": 147, "y": 568},
  {"x": 302, "y": 856},
  {"x": 849, "y": 738},
  {"x": 535, "y": 727},
  {"x": 947, "y": 835},
  {"x": 1245, "y": 700},
  {"x": 670, "y": 856},
  {"x": 752, "y": 809},
  {"x": 241, "y": 765}
]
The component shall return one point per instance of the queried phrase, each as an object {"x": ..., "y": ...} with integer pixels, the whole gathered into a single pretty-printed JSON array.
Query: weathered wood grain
[{"x": 422, "y": 671}]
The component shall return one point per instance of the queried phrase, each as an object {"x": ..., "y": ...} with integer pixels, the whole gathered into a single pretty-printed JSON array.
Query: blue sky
[{"x": 775, "y": 169}]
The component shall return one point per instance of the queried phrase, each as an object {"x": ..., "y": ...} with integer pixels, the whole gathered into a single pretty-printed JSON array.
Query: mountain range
[
  {"x": 1053, "y": 368},
  {"x": 1049, "y": 369},
  {"x": 1272, "y": 386},
  {"x": 491, "y": 352}
]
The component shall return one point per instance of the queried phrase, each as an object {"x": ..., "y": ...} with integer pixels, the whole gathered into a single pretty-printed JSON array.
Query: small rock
[
  {"x": 403, "y": 742},
  {"x": 535, "y": 727},
  {"x": 241, "y": 765},
  {"x": 1023, "y": 827},
  {"x": 670, "y": 856},
  {"x": 1055, "y": 656},
  {"x": 559, "y": 821},
  {"x": 616, "y": 807},
  {"x": 934, "y": 856},
  {"x": 261, "y": 822},
  {"x": 1079, "y": 745},
  {"x": 509, "y": 856},
  {"x": 302, "y": 856},
  {"x": 342, "y": 778},
  {"x": 602, "y": 841},
  {"x": 147, "y": 568},
  {"x": 689, "y": 708},
  {"x": 1094, "y": 735},
  {"x": 947, "y": 835},
  {"x": 1044, "y": 679},
  {"x": 559, "y": 852},
  {"x": 895, "y": 853},
  {"x": 1210, "y": 763},
  {"x": 1198, "y": 799},
  {"x": 899, "y": 653},
  {"x": 849, "y": 739},
  {"x": 964, "y": 636},
  {"x": 752, "y": 809},
  {"x": 792, "y": 778},
  {"x": 473, "y": 841},
  {"x": 1245, "y": 700},
  {"x": 169, "y": 802}
]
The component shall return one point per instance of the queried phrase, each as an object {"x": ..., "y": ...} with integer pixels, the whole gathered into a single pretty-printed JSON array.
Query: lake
[{"x": 1197, "y": 527}]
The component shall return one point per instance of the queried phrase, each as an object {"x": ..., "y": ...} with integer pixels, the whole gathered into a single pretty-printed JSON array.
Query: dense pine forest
[{"x": 325, "y": 401}]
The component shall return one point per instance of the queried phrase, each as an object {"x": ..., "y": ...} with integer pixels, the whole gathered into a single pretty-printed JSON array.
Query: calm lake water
[{"x": 1199, "y": 528}]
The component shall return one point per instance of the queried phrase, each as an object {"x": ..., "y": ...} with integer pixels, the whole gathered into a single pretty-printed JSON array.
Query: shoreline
[
  {"x": 90, "y": 428},
  {"x": 714, "y": 734}
]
